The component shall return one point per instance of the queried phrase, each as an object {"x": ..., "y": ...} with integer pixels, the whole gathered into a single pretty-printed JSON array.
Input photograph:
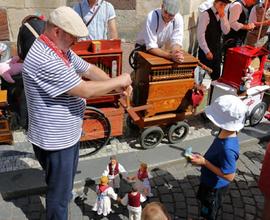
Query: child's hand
[{"x": 197, "y": 159}]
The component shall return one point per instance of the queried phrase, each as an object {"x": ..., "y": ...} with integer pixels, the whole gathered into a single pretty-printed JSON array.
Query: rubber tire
[
  {"x": 257, "y": 120},
  {"x": 172, "y": 129},
  {"x": 90, "y": 147},
  {"x": 149, "y": 131}
]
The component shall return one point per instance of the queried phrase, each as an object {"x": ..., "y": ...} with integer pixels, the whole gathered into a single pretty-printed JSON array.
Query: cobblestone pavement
[
  {"x": 20, "y": 155},
  {"x": 175, "y": 185}
]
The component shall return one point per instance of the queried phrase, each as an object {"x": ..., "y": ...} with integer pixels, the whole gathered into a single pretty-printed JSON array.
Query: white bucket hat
[
  {"x": 227, "y": 112},
  {"x": 67, "y": 19}
]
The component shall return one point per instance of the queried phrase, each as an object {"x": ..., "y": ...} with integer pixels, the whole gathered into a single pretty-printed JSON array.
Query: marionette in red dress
[
  {"x": 133, "y": 202},
  {"x": 142, "y": 180},
  {"x": 113, "y": 171}
]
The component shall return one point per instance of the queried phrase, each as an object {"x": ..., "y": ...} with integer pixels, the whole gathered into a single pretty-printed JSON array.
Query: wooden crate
[
  {"x": 93, "y": 129},
  {"x": 5, "y": 132}
]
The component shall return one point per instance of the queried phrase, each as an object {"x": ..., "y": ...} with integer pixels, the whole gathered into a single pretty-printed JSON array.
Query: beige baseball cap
[{"x": 67, "y": 19}]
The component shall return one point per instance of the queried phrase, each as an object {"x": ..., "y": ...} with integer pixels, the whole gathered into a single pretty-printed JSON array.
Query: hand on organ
[{"x": 178, "y": 56}]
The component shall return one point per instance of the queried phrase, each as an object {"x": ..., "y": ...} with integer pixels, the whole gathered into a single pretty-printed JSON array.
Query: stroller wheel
[{"x": 257, "y": 113}]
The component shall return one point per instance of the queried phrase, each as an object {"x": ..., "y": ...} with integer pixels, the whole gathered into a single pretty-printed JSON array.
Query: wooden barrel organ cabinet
[{"x": 162, "y": 98}]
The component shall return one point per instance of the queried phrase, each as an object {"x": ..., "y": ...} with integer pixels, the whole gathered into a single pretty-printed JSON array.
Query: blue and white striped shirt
[{"x": 55, "y": 118}]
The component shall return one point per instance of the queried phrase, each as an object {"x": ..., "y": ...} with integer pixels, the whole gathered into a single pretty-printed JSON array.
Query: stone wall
[{"x": 130, "y": 15}]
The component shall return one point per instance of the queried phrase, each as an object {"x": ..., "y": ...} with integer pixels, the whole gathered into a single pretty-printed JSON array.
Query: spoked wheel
[
  {"x": 151, "y": 137},
  {"x": 132, "y": 57},
  {"x": 257, "y": 113},
  {"x": 178, "y": 132},
  {"x": 96, "y": 132}
]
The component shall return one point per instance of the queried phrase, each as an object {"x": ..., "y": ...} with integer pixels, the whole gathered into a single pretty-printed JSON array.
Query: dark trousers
[
  {"x": 60, "y": 167},
  {"x": 211, "y": 200},
  {"x": 213, "y": 64}
]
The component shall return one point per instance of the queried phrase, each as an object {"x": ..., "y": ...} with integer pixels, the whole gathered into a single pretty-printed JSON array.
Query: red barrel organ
[
  {"x": 107, "y": 55},
  {"x": 243, "y": 76}
]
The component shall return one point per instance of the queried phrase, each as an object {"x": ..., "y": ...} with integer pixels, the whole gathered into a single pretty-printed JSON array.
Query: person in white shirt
[
  {"x": 238, "y": 14},
  {"x": 162, "y": 34},
  {"x": 99, "y": 17},
  {"x": 133, "y": 202},
  {"x": 212, "y": 23},
  {"x": 205, "y": 5},
  {"x": 113, "y": 171},
  {"x": 256, "y": 17}
]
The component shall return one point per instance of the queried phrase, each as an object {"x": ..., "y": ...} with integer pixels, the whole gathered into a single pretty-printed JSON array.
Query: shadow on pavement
[
  {"x": 86, "y": 200},
  {"x": 14, "y": 185},
  {"x": 260, "y": 131}
]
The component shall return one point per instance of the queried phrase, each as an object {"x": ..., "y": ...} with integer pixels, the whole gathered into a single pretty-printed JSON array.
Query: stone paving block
[
  {"x": 242, "y": 184},
  {"x": 239, "y": 212},
  {"x": 235, "y": 193},
  {"x": 191, "y": 201},
  {"x": 166, "y": 198},
  {"x": 249, "y": 216},
  {"x": 256, "y": 191},
  {"x": 259, "y": 198},
  {"x": 237, "y": 202},
  {"x": 249, "y": 200},
  {"x": 189, "y": 193},
  {"x": 159, "y": 181},
  {"x": 227, "y": 208},
  {"x": 169, "y": 178},
  {"x": 178, "y": 197},
  {"x": 180, "y": 205},
  {"x": 227, "y": 216},
  {"x": 163, "y": 190},
  {"x": 250, "y": 209}
]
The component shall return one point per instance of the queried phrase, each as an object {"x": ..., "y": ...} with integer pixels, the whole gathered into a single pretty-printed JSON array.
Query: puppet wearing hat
[
  {"x": 104, "y": 195},
  {"x": 113, "y": 169}
]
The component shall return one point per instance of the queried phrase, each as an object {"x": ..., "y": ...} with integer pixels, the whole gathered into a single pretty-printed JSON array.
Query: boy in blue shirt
[{"x": 219, "y": 162}]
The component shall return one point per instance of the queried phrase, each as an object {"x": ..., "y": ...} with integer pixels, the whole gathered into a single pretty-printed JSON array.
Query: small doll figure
[
  {"x": 142, "y": 180},
  {"x": 113, "y": 169},
  {"x": 133, "y": 202},
  {"x": 104, "y": 195}
]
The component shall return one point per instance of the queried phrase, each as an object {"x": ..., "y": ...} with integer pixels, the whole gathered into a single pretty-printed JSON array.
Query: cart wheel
[
  {"x": 151, "y": 137},
  {"x": 96, "y": 118},
  {"x": 178, "y": 132},
  {"x": 131, "y": 59},
  {"x": 257, "y": 114},
  {"x": 130, "y": 123}
]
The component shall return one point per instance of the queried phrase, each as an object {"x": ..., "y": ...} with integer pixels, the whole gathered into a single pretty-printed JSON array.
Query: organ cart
[
  {"x": 104, "y": 116},
  {"x": 243, "y": 76},
  {"x": 162, "y": 92}
]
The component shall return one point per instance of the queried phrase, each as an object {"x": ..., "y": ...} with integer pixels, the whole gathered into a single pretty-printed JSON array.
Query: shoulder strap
[
  {"x": 87, "y": 24},
  {"x": 81, "y": 10},
  {"x": 31, "y": 29},
  {"x": 157, "y": 20}
]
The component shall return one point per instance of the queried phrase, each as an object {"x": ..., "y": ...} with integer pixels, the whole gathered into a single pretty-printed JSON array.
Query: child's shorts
[
  {"x": 264, "y": 181},
  {"x": 211, "y": 200}
]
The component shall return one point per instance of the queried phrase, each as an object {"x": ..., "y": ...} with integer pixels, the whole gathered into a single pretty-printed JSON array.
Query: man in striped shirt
[{"x": 54, "y": 88}]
